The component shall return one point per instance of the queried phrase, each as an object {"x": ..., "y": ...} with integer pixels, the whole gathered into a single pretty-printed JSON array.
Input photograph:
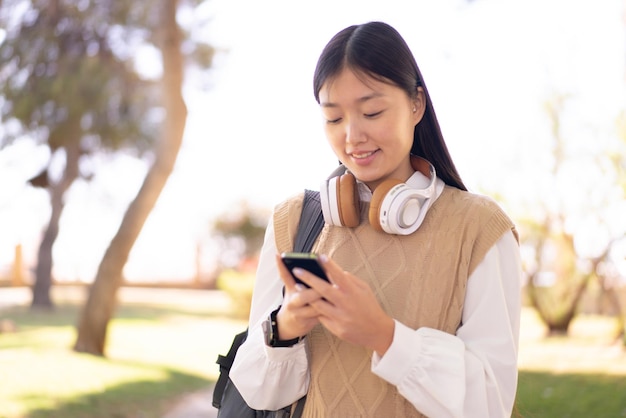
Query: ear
[{"x": 419, "y": 105}]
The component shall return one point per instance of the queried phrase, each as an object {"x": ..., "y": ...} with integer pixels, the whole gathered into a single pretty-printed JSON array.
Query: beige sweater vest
[{"x": 419, "y": 279}]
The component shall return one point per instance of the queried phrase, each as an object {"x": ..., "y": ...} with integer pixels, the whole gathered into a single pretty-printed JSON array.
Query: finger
[
  {"x": 305, "y": 312},
  {"x": 327, "y": 291},
  {"x": 311, "y": 280},
  {"x": 285, "y": 275},
  {"x": 304, "y": 295},
  {"x": 324, "y": 309},
  {"x": 296, "y": 321},
  {"x": 335, "y": 273}
]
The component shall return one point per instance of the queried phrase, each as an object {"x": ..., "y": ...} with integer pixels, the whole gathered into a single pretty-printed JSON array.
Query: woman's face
[{"x": 369, "y": 125}]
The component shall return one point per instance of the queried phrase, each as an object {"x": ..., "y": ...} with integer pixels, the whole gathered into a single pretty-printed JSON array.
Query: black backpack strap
[
  {"x": 297, "y": 412},
  {"x": 225, "y": 363},
  {"x": 311, "y": 222},
  {"x": 309, "y": 227}
]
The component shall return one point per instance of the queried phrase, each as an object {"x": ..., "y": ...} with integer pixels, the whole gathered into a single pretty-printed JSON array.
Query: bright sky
[{"x": 256, "y": 134}]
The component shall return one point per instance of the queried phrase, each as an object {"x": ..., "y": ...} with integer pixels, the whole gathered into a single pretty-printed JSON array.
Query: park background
[{"x": 531, "y": 99}]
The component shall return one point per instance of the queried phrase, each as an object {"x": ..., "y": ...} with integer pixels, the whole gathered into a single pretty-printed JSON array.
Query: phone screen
[{"x": 306, "y": 261}]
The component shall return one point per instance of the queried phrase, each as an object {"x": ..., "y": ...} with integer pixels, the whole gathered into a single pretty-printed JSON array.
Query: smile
[{"x": 364, "y": 155}]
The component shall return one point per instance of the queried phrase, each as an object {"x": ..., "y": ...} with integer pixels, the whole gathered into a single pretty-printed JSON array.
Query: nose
[{"x": 354, "y": 132}]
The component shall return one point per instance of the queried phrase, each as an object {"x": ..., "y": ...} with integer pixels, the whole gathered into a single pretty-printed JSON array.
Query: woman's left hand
[{"x": 349, "y": 308}]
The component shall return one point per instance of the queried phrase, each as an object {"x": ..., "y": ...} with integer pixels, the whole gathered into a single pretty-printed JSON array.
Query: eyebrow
[{"x": 363, "y": 99}]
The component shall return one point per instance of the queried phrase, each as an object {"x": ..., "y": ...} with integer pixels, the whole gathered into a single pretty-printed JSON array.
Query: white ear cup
[
  {"x": 403, "y": 209},
  {"x": 330, "y": 211},
  {"x": 396, "y": 208}
]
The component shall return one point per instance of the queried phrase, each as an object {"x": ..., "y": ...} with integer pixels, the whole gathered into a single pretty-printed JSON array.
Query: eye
[
  {"x": 373, "y": 115},
  {"x": 333, "y": 121}
]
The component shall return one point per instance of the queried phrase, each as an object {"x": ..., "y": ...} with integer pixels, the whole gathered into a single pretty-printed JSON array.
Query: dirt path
[{"x": 194, "y": 405}]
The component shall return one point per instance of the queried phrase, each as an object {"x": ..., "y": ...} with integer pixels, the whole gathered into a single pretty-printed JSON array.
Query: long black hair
[{"x": 379, "y": 51}]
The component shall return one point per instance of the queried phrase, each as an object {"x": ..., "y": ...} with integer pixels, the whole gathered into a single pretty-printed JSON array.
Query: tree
[
  {"x": 557, "y": 283},
  {"x": 240, "y": 234},
  {"x": 64, "y": 85},
  {"x": 563, "y": 262},
  {"x": 576, "y": 228},
  {"x": 611, "y": 276},
  {"x": 93, "y": 323},
  {"x": 554, "y": 285}
]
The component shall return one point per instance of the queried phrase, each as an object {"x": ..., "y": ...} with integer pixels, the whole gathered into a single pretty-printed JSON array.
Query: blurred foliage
[
  {"x": 83, "y": 78},
  {"x": 617, "y": 155},
  {"x": 557, "y": 283},
  {"x": 70, "y": 69},
  {"x": 66, "y": 81},
  {"x": 238, "y": 286},
  {"x": 66, "y": 74},
  {"x": 239, "y": 233},
  {"x": 560, "y": 265}
]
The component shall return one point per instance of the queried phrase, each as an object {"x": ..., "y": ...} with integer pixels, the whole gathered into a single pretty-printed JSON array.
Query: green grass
[
  {"x": 582, "y": 375},
  {"x": 155, "y": 355},
  {"x": 571, "y": 395}
]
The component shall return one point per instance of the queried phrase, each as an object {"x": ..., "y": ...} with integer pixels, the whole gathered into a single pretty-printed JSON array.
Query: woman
[{"x": 421, "y": 314}]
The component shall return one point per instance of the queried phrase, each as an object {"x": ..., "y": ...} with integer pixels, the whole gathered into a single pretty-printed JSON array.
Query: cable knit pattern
[{"x": 419, "y": 279}]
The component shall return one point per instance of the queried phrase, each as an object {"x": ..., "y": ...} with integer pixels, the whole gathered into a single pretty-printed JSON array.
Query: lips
[
  {"x": 363, "y": 158},
  {"x": 361, "y": 155}
]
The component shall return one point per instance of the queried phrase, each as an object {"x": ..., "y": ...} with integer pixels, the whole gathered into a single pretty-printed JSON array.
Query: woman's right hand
[{"x": 295, "y": 317}]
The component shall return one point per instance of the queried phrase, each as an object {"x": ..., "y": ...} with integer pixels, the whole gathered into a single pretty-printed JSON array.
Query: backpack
[{"x": 226, "y": 397}]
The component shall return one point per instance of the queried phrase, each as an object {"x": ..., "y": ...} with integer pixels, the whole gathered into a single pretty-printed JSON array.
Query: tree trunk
[
  {"x": 101, "y": 303},
  {"x": 557, "y": 305},
  {"x": 559, "y": 325},
  {"x": 43, "y": 271}
]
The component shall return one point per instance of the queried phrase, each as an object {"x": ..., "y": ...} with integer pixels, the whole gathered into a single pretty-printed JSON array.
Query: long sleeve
[
  {"x": 268, "y": 378},
  {"x": 472, "y": 373}
]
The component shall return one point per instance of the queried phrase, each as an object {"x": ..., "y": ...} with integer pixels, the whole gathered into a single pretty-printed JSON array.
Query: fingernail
[
  {"x": 299, "y": 287},
  {"x": 298, "y": 271},
  {"x": 323, "y": 258}
]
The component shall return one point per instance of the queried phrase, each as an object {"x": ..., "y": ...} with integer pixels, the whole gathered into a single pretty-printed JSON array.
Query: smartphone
[{"x": 306, "y": 261}]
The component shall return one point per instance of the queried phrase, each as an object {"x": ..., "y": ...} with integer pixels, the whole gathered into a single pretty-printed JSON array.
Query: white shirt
[{"x": 470, "y": 374}]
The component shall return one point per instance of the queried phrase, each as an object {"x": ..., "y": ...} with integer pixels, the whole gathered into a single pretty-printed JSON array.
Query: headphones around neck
[{"x": 395, "y": 208}]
